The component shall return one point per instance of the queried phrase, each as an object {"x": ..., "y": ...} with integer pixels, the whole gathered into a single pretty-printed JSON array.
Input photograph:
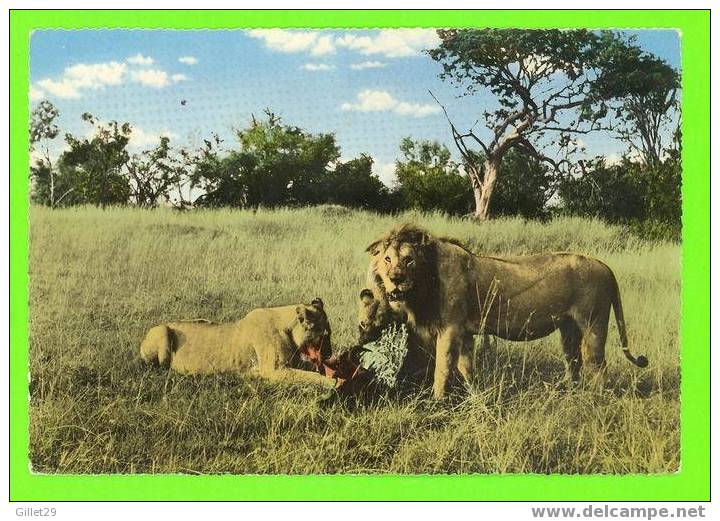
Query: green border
[{"x": 691, "y": 483}]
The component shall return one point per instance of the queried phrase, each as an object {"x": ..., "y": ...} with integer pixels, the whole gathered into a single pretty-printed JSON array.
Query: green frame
[{"x": 691, "y": 483}]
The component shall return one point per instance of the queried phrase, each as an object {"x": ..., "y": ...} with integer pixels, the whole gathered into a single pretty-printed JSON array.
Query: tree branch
[{"x": 459, "y": 137}]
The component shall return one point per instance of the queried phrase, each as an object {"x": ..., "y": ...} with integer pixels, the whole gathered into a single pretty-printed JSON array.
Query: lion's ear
[
  {"x": 374, "y": 248},
  {"x": 367, "y": 296},
  {"x": 423, "y": 238},
  {"x": 318, "y": 303}
]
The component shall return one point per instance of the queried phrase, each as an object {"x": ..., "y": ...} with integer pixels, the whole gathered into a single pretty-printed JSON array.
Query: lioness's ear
[
  {"x": 367, "y": 296},
  {"x": 318, "y": 303},
  {"x": 301, "y": 313},
  {"x": 374, "y": 248}
]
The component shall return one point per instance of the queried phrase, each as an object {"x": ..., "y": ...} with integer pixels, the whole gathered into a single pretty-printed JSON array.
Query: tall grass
[{"x": 100, "y": 278}]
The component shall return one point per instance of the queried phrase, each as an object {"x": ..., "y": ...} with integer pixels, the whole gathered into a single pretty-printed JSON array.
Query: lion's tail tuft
[{"x": 641, "y": 360}]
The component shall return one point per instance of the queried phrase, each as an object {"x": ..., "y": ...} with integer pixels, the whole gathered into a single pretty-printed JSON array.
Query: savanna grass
[{"x": 100, "y": 278}]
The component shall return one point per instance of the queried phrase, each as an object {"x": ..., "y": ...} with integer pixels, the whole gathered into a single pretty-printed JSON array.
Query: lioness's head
[
  {"x": 374, "y": 315},
  {"x": 399, "y": 260},
  {"x": 311, "y": 332}
]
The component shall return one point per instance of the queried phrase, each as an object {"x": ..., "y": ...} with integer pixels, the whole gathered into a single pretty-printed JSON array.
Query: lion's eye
[
  {"x": 410, "y": 262},
  {"x": 387, "y": 259}
]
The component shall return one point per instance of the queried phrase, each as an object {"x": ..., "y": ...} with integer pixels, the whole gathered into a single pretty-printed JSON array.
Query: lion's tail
[{"x": 640, "y": 361}]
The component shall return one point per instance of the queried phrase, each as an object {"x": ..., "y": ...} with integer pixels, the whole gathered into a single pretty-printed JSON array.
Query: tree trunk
[
  {"x": 483, "y": 191},
  {"x": 52, "y": 175},
  {"x": 52, "y": 188}
]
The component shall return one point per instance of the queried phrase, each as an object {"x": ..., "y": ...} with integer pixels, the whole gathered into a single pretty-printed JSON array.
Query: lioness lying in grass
[{"x": 271, "y": 342}]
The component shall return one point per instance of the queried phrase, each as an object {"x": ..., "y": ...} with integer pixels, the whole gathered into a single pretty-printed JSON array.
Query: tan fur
[
  {"x": 449, "y": 294},
  {"x": 374, "y": 315},
  {"x": 270, "y": 342}
]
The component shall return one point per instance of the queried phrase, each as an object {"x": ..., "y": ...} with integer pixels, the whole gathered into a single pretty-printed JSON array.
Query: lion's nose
[{"x": 396, "y": 278}]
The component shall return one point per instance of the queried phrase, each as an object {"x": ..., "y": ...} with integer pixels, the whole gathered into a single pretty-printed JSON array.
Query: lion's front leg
[{"x": 447, "y": 349}]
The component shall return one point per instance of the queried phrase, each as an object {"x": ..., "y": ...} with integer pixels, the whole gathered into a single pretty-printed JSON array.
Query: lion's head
[
  {"x": 400, "y": 261},
  {"x": 311, "y": 332}
]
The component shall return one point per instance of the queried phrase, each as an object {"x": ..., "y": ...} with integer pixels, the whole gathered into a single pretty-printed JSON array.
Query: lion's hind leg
[
  {"x": 593, "y": 347},
  {"x": 156, "y": 347},
  {"x": 571, "y": 337},
  {"x": 466, "y": 361}
]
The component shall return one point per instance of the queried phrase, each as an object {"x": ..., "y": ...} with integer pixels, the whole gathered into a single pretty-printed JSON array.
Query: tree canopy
[
  {"x": 550, "y": 86},
  {"x": 429, "y": 180}
]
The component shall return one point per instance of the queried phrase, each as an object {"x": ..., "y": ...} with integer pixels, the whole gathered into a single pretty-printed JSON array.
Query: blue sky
[{"x": 368, "y": 87}]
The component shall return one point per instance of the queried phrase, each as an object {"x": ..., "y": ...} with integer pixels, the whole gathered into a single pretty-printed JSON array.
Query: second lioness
[{"x": 272, "y": 342}]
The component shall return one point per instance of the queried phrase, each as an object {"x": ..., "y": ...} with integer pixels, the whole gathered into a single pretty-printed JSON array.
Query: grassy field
[{"x": 100, "y": 278}]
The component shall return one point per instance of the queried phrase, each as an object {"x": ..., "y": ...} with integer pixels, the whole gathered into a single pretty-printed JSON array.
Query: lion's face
[
  {"x": 373, "y": 317},
  {"x": 398, "y": 267},
  {"x": 311, "y": 332}
]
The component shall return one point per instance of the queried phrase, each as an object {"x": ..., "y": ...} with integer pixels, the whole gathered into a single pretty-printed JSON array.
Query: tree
[
  {"x": 354, "y": 185},
  {"x": 645, "y": 195},
  {"x": 276, "y": 165},
  {"x": 611, "y": 192},
  {"x": 155, "y": 173},
  {"x": 223, "y": 179},
  {"x": 97, "y": 165},
  {"x": 290, "y": 163},
  {"x": 429, "y": 180},
  {"x": 524, "y": 186},
  {"x": 550, "y": 87},
  {"x": 43, "y": 130},
  {"x": 650, "y": 108}
]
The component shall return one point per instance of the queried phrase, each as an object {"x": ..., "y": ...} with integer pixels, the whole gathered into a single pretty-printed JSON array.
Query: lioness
[
  {"x": 270, "y": 341},
  {"x": 449, "y": 294},
  {"x": 374, "y": 316}
]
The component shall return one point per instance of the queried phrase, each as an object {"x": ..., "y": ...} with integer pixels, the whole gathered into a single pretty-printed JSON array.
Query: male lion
[
  {"x": 272, "y": 342},
  {"x": 449, "y": 294}
]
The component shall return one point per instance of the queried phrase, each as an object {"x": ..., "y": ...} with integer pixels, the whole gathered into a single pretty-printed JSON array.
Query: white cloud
[
  {"x": 391, "y": 43},
  {"x": 383, "y": 101},
  {"x": 386, "y": 172},
  {"x": 295, "y": 41},
  {"x": 139, "y": 59},
  {"x": 367, "y": 65},
  {"x": 416, "y": 109},
  {"x": 96, "y": 76},
  {"x": 84, "y": 76},
  {"x": 151, "y": 78},
  {"x": 36, "y": 94},
  {"x": 188, "y": 60},
  {"x": 371, "y": 101},
  {"x": 140, "y": 138},
  {"x": 323, "y": 46},
  {"x": 613, "y": 159},
  {"x": 317, "y": 67},
  {"x": 63, "y": 89}
]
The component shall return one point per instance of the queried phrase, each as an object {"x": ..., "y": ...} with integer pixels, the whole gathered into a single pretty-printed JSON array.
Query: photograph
[{"x": 431, "y": 251}]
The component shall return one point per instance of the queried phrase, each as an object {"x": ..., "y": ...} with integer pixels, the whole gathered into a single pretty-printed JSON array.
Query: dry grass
[{"x": 100, "y": 278}]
